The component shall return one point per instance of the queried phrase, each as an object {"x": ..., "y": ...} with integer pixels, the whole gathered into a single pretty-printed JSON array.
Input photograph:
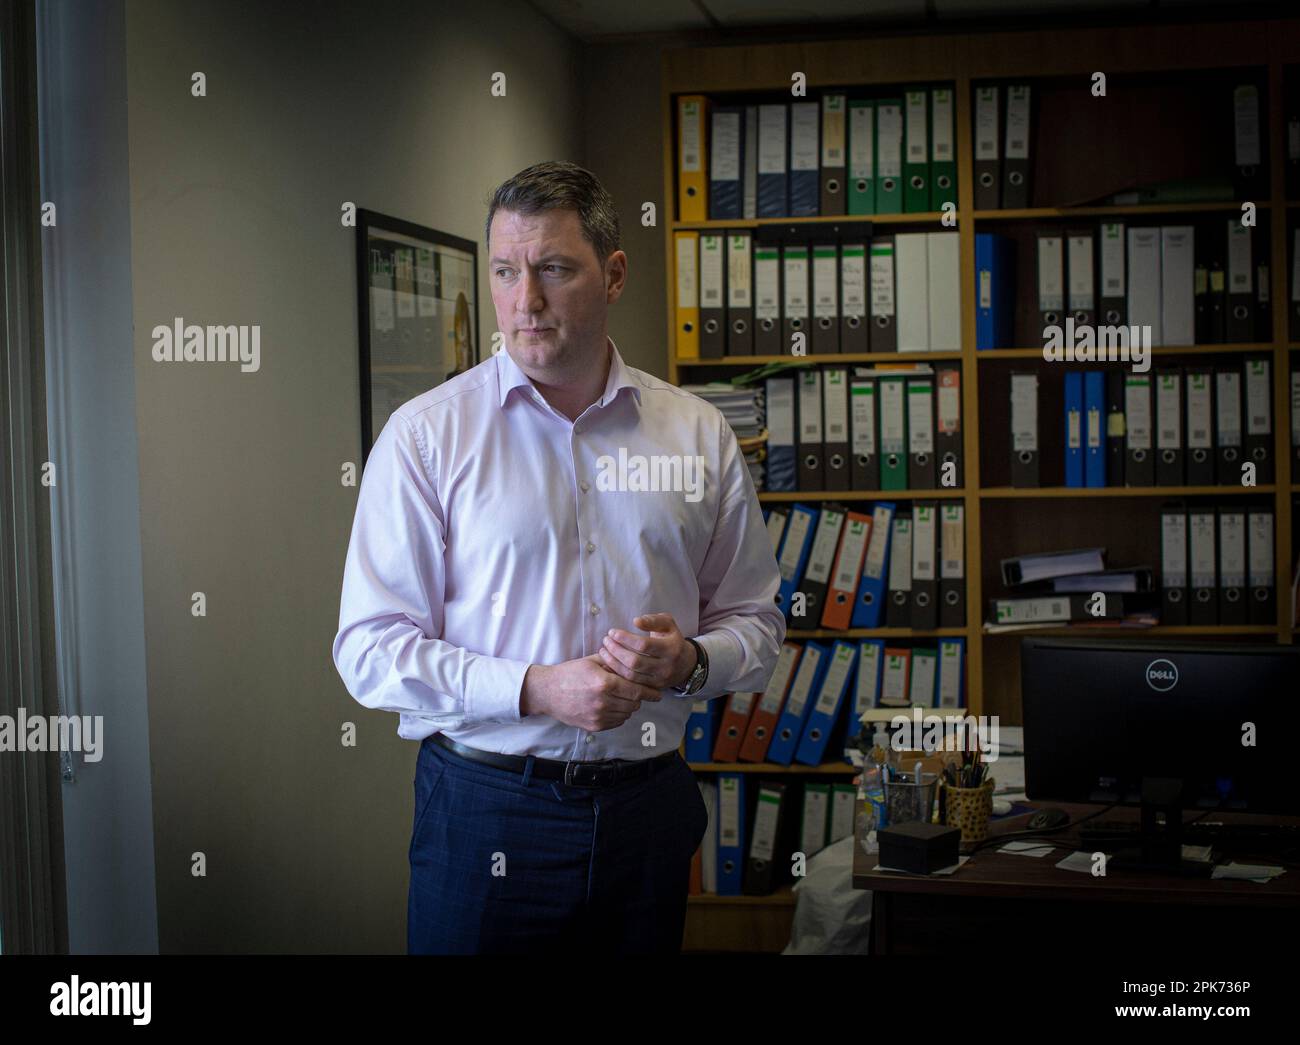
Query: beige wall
[
  {"x": 622, "y": 117},
  {"x": 235, "y": 204}
]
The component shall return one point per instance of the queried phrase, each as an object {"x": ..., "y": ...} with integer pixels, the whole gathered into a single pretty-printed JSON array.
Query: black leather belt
[{"x": 605, "y": 773}]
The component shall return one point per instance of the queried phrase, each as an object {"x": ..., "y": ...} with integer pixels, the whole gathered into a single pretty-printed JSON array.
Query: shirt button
[
  {"x": 594, "y": 609},
  {"x": 585, "y": 486},
  {"x": 590, "y": 547},
  {"x": 589, "y": 738}
]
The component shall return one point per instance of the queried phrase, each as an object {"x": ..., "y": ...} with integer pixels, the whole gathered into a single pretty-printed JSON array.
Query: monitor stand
[{"x": 1160, "y": 849}]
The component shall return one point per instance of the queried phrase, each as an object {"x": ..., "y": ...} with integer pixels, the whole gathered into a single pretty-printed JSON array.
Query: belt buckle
[{"x": 593, "y": 773}]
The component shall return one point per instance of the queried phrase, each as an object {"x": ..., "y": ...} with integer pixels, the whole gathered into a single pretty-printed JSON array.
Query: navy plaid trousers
[{"x": 504, "y": 863}]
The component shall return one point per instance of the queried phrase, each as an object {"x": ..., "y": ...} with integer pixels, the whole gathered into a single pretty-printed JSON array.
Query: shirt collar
[{"x": 510, "y": 376}]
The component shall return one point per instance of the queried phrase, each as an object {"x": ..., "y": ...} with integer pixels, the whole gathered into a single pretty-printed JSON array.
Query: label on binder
[
  {"x": 1199, "y": 435},
  {"x": 1018, "y": 123},
  {"x": 823, "y": 550},
  {"x": 952, "y": 538},
  {"x": 796, "y": 284},
  {"x": 1228, "y": 409},
  {"x": 986, "y": 123},
  {"x": 1245, "y": 111},
  {"x": 793, "y": 547},
  {"x": 877, "y": 545},
  {"x": 738, "y": 281},
  {"x": 1168, "y": 413},
  {"x": 949, "y": 402},
  {"x": 837, "y": 414},
  {"x": 1173, "y": 550},
  {"x": 724, "y": 152},
  {"x": 1261, "y": 549},
  {"x": 853, "y": 279},
  {"x": 1137, "y": 412},
  {"x": 1201, "y": 540},
  {"x": 825, "y": 303},
  {"x": 882, "y": 280},
  {"x": 771, "y": 139},
  {"x": 920, "y": 423},
  {"x": 836, "y": 675},
  {"x": 923, "y": 543},
  {"x": 845, "y": 576},
  {"x": 862, "y": 147},
  {"x": 941, "y": 133},
  {"x": 892, "y": 429},
  {"x": 889, "y": 136},
  {"x": 767, "y": 285},
  {"x": 1024, "y": 412},
  {"x": 1232, "y": 549},
  {"x": 1239, "y": 276},
  {"x": 691, "y": 127},
  {"x": 1258, "y": 413},
  {"x": 863, "y": 398},
  {"x": 1112, "y": 260}
]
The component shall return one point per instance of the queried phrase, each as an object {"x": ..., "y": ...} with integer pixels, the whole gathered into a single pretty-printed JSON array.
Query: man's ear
[{"x": 615, "y": 276}]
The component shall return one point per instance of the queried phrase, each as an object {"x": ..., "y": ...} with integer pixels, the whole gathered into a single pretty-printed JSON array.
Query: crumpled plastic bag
[{"x": 830, "y": 916}]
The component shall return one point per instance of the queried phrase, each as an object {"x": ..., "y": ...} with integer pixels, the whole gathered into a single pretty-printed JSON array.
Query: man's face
[{"x": 550, "y": 292}]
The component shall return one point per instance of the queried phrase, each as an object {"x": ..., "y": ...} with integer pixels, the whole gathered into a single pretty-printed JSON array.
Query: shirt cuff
[
  {"x": 724, "y": 659},
  {"x": 493, "y": 688}
]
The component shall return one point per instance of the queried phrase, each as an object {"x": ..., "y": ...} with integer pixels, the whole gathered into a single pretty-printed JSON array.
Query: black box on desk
[{"x": 918, "y": 847}]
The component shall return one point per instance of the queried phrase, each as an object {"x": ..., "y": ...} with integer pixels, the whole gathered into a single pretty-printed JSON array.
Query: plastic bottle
[{"x": 871, "y": 791}]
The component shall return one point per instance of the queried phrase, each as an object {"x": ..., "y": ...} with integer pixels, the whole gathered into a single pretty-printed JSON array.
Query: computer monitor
[{"x": 1100, "y": 715}]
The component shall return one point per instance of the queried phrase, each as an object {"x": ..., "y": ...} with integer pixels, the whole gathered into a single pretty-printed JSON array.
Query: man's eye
[
  {"x": 556, "y": 268},
  {"x": 500, "y": 272}
]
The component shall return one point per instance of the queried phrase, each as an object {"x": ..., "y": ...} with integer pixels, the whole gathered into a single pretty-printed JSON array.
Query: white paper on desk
[
  {"x": 943, "y": 870},
  {"x": 1078, "y": 862},
  {"x": 1027, "y": 848},
  {"x": 1247, "y": 872}
]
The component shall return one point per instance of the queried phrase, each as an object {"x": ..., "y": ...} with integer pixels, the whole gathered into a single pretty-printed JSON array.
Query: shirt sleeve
[
  {"x": 388, "y": 649},
  {"x": 741, "y": 626}
]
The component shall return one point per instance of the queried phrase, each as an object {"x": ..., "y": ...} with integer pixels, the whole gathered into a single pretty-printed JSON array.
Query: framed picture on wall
[{"x": 417, "y": 308}]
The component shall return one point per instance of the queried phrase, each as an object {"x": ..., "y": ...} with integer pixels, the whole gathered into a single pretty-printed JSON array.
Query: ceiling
[{"x": 596, "y": 19}]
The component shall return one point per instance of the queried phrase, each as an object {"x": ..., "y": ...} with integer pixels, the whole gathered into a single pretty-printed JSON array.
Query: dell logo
[{"x": 1162, "y": 675}]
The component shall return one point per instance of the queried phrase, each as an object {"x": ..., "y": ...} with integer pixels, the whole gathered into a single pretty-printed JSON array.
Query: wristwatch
[{"x": 695, "y": 682}]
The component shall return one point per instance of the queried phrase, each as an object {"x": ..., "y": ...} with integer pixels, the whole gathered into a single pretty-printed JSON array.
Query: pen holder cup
[
  {"x": 970, "y": 809},
  {"x": 908, "y": 800}
]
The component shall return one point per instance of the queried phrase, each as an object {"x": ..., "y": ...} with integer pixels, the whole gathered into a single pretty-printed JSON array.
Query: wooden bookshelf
[
  {"x": 1108, "y": 211},
  {"x": 835, "y": 769},
  {"x": 753, "y": 362},
  {"x": 954, "y": 494},
  {"x": 1155, "y": 64},
  {"x": 872, "y": 633},
  {"x": 1008, "y": 493},
  {"x": 1156, "y": 350}
]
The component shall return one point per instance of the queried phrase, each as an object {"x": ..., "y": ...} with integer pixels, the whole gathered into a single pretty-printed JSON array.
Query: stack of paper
[{"x": 745, "y": 411}]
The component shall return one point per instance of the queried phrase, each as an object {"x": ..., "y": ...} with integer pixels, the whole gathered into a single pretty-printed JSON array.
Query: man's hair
[{"x": 558, "y": 183}]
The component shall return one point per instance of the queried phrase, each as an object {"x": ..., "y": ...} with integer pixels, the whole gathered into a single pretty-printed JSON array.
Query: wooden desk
[{"x": 1007, "y": 903}]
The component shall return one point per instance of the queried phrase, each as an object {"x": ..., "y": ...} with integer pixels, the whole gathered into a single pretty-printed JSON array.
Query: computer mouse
[{"x": 1048, "y": 819}]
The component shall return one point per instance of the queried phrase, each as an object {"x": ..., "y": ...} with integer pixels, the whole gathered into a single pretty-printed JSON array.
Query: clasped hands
[{"x": 604, "y": 690}]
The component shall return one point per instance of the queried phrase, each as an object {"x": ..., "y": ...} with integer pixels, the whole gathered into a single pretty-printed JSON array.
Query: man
[{"x": 554, "y": 556}]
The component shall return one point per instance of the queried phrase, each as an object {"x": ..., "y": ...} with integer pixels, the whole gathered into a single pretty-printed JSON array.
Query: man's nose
[{"x": 529, "y": 298}]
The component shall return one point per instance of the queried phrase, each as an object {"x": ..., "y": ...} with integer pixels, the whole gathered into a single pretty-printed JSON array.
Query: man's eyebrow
[{"x": 541, "y": 261}]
